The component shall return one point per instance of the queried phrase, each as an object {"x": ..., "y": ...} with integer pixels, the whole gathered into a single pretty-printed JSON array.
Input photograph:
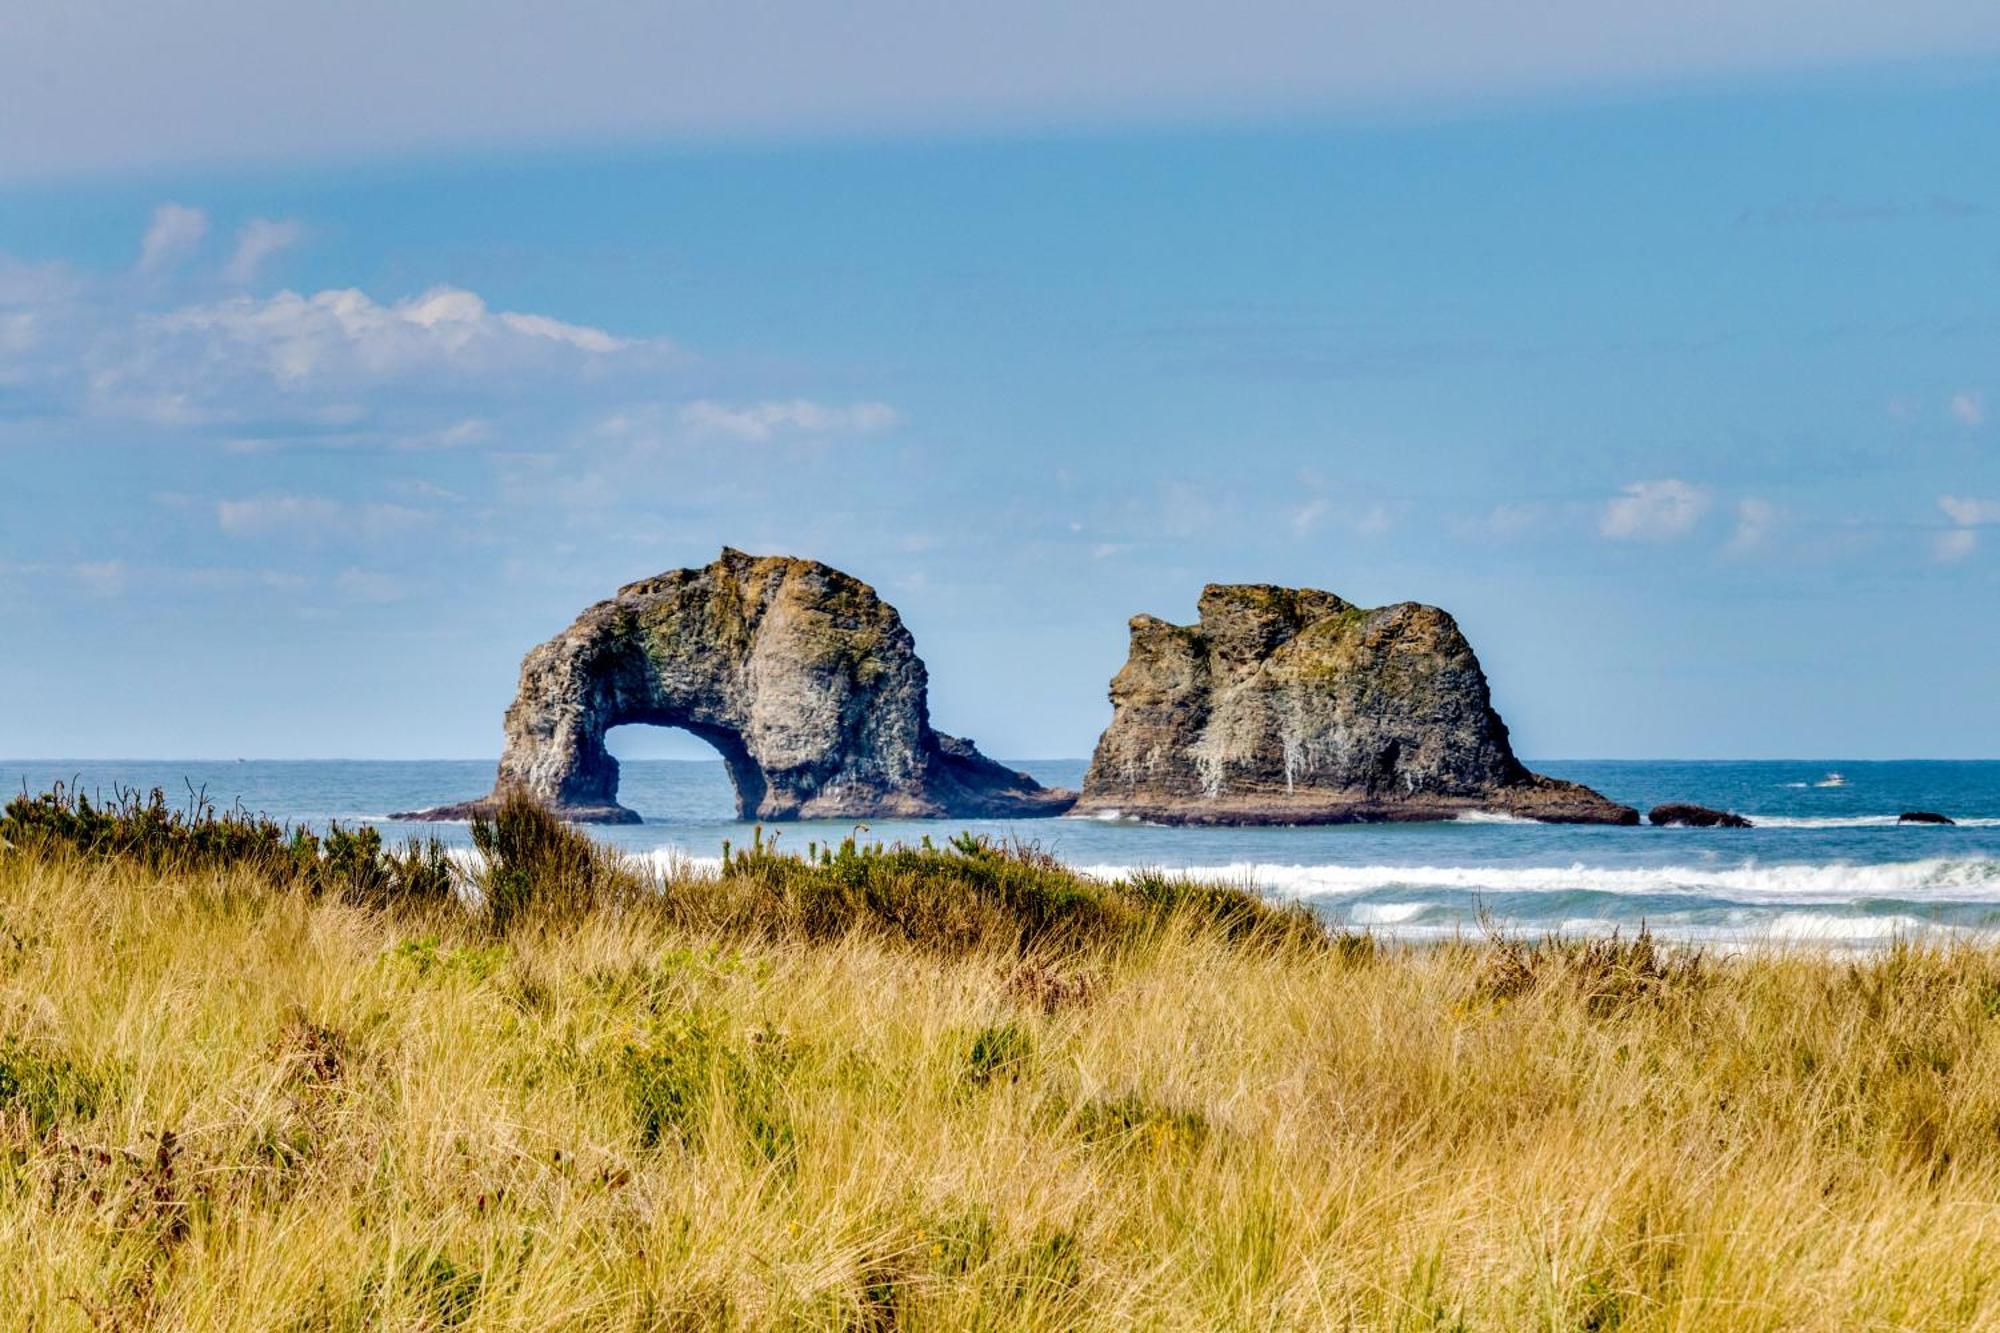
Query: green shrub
[
  {"x": 1610, "y": 972},
  {"x": 1134, "y": 1120},
  {"x": 45, "y": 1088},
  {"x": 999, "y": 1051},
  {"x": 673, "y": 1084},
  {"x": 1241, "y": 914},
  {"x": 351, "y": 864},
  {"x": 973, "y": 894},
  {"x": 542, "y": 870}
]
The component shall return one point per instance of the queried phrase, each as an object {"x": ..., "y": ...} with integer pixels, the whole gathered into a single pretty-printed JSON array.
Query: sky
[{"x": 339, "y": 366}]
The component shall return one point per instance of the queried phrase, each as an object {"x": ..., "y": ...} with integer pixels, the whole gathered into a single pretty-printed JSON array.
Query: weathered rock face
[
  {"x": 805, "y": 681},
  {"x": 1289, "y": 705}
]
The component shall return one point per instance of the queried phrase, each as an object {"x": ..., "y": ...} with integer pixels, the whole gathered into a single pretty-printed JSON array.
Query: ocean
[{"x": 1827, "y": 863}]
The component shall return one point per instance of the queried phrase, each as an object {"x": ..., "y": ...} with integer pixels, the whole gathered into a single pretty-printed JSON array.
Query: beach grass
[{"x": 951, "y": 1088}]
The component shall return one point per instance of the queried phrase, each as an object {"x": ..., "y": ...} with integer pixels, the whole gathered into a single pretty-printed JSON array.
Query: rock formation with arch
[{"x": 803, "y": 679}]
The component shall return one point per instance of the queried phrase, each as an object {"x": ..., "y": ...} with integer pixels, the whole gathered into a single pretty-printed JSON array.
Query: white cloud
[
  {"x": 1968, "y": 511},
  {"x": 290, "y": 365},
  {"x": 580, "y": 336},
  {"x": 1654, "y": 511},
  {"x": 256, "y": 241},
  {"x": 761, "y": 422},
  {"x": 346, "y": 335},
  {"x": 175, "y": 232},
  {"x": 1955, "y": 544},
  {"x": 1755, "y": 521},
  {"x": 1968, "y": 407}
]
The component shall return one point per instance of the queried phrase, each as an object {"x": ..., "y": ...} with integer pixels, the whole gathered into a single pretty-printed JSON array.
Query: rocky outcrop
[
  {"x": 1679, "y": 814},
  {"x": 1924, "y": 817},
  {"x": 1292, "y": 706},
  {"x": 803, "y": 679}
]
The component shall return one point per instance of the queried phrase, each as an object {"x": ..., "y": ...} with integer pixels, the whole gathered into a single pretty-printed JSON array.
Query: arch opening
[{"x": 673, "y": 772}]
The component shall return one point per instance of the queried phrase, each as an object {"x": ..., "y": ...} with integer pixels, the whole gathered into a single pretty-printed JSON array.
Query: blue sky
[{"x": 1679, "y": 387}]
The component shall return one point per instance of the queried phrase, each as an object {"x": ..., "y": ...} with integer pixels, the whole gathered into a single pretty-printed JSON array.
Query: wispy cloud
[
  {"x": 1507, "y": 521},
  {"x": 1304, "y": 518},
  {"x": 459, "y": 434},
  {"x": 1968, "y": 407},
  {"x": 313, "y": 517},
  {"x": 1662, "y": 510},
  {"x": 761, "y": 422},
  {"x": 371, "y": 587},
  {"x": 175, "y": 233},
  {"x": 1968, "y": 511},
  {"x": 1320, "y": 507},
  {"x": 1954, "y": 545},
  {"x": 1756, "y": 520},
  {"x": 101, "y": 578},
  {"x": 1967, "y": 515},
  {"x": 256, "y": 241},
  {"x": 268, "y": 514}
]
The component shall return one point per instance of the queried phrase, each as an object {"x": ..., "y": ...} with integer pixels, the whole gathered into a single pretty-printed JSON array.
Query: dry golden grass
[{"x": 232, "y": 1106}]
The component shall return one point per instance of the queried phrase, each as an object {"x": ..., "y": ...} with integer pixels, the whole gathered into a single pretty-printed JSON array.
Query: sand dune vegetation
[{"x": 249, "y": 1081}]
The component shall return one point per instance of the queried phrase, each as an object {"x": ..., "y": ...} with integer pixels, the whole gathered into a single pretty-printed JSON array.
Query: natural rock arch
[{"x": 801, "y": 677}]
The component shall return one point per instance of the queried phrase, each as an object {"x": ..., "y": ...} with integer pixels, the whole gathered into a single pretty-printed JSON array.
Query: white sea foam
[
  {"x": 671, "y": 861},
  {"x": 1940, "y": 879},
  {"x": 1387, "y": 914},
  {"x": 1488, "y": 817},
  {"x": 667, "y": 861},
  {"x": 1818, "y": 926},
  {"x": 1858, "y": 821}
]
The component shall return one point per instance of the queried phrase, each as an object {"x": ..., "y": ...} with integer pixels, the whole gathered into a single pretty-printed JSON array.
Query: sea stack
[
  {"x": 1293, "y": 706},
  {"x": 804, "y": 680}
]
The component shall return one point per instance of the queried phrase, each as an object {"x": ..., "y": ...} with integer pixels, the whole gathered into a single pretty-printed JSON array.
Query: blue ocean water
[{"x": 1826, "y": 864}]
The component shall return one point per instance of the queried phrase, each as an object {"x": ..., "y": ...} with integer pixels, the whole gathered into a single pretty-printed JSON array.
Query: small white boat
[{"x": 1831, "y": 780}]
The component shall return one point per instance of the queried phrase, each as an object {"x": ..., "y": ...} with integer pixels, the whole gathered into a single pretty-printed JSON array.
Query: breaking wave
[{"x": 1840, "y": 882}]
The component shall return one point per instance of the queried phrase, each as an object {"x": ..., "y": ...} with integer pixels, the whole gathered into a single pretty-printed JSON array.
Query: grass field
[{"x": 948, "y": 1089}]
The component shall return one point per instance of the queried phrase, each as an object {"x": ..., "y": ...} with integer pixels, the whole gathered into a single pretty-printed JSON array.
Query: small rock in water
[
  {"x": 1681, "y": 815},
  {"x": 1924, "y": 817}
]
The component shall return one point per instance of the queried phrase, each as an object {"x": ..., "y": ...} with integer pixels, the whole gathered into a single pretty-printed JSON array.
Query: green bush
[
  {"x": 973, "y": 894},
  {"x": 542, "y": 870},
  {"x": 351, "y": 864},
  {"x": 45, "y": 1088},
  {"x": 999, "y": 1051},
  {"x": 673, "y": 1083}
]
